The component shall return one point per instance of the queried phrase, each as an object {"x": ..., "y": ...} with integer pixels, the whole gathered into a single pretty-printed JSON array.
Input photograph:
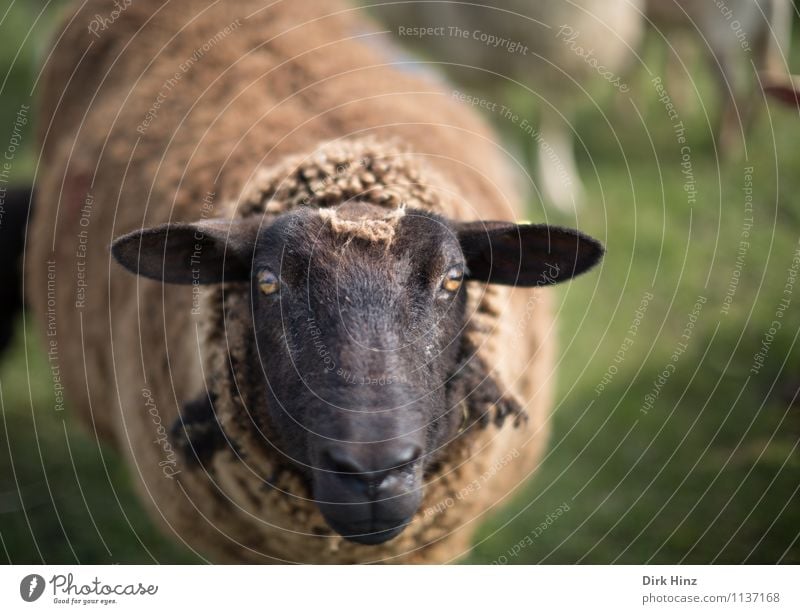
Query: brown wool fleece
[{"x": 293, "y": 106}]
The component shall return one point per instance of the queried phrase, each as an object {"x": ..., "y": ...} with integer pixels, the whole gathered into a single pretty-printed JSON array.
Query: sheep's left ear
[
  {"x": 205, "y": 252},
  {"x": 525, "y": 254}
]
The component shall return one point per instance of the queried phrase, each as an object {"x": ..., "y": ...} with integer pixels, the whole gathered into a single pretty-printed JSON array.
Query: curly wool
[{"x": 378, "y": 173}]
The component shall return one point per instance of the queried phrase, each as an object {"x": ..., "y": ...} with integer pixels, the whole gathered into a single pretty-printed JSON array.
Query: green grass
[
  {"x": 709, "y": 473},
  {"x": 63, "y": 497}
]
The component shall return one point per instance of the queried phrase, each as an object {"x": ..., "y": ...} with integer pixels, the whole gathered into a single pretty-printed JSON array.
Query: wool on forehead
[
  {"x": 352, "y": 170},
  {"x": 363, "y": 221}
]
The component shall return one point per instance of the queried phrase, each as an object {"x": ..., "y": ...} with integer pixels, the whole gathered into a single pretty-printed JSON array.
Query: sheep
[
  {"x": 562, "y": 52},
  {"x": 735, "y": 34},
  {"x": 330, "y": 351}
]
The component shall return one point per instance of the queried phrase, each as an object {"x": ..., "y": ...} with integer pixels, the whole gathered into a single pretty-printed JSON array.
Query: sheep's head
[{"x": 358, "y": 315}]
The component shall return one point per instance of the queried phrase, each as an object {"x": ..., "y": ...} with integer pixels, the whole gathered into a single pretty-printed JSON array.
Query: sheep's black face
[
  {"x": 358, "y": 321},
  {"x": 358, "y": 316}
]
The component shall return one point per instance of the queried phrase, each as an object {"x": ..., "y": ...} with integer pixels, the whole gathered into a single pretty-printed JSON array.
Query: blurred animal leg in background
[
  {"x": 774, "y": 66},
  {"x": 556, "y": 167},
  {"x": 735, "y": 111},
  {"x": 679, "y": 57}
]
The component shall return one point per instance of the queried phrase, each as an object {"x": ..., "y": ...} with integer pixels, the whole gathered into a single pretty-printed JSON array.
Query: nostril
[
  {"x": 370, "y": 464},
  {"x": 371, "y": 471},
  {"x": 406, "y": 455},
  {"x": 340, "y": 461}
]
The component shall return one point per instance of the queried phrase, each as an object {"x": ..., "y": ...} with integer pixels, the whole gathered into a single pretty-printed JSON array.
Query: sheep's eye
[
  {"x": 267, "y": 282},
  {"x": 453, "y": 279}
]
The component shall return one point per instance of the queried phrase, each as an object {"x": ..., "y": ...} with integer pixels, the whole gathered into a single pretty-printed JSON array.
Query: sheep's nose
[{"x": 372, "y": 469}]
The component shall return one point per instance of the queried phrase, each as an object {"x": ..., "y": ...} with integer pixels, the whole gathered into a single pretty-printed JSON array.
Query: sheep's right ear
[
  {"x": 207, "y": 252},
  {"x": 526, "y": 254}
]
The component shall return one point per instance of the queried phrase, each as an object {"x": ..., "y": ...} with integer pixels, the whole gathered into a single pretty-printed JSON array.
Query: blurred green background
[{"x": 709, "y": 473}]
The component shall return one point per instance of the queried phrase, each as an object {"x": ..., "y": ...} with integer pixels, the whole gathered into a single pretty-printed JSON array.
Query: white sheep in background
[{"x": 556, "y": 49}]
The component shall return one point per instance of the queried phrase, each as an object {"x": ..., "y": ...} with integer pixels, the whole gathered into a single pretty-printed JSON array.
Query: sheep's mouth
[
  {"x": 372, "y": 533},
  {"x": 364, "y": 513}
]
